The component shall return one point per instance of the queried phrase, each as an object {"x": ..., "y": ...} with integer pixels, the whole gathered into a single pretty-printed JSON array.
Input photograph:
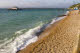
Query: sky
[{"x": 37, "y": 3}]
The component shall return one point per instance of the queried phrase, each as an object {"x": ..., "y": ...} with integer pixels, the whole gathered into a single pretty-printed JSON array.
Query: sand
[{"x": 61, "y": 38}]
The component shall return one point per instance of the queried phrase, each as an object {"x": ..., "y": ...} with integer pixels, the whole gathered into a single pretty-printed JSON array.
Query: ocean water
[{"x": 18, "y": 27}]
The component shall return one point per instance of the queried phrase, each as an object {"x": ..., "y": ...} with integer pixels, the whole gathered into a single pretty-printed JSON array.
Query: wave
[
  {"x": 24, "y": 39},
  {"x": 59, "y": 18},
  {"x": 21, "y": 41}
]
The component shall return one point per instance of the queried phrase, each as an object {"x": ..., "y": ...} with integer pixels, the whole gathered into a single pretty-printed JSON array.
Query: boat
[{"x": 14, "y": 8}]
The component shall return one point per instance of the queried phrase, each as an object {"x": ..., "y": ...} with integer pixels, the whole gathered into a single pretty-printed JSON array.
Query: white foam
[
  {"x": 59, "y": 18},
  {"x": 53, "y": 21},
  {"x": 67, "y": 12},
  {"x": 21, "y": 42}
]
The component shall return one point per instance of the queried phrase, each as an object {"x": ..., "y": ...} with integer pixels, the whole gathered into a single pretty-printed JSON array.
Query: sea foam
[
  {"x": 59, "y": 18},
  {"x": 23, "y": 40}
]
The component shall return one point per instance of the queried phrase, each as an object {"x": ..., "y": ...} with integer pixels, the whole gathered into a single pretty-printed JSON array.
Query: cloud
[{"x": 37, "y": 3}]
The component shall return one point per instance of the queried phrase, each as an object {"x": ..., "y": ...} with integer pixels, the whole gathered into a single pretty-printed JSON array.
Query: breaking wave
[{"x": 24, "y": 39}]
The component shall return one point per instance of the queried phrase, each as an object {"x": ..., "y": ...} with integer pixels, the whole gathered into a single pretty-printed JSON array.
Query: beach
[
  {"x": 19, "y": 28},
  {"x": 61, "y": 37}
]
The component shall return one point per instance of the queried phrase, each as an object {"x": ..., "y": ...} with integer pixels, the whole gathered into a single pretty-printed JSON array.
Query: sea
[{"x": 19, "y": 28}]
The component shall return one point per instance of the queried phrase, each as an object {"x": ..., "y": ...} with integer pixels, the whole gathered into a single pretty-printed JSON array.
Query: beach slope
[{"x": 62, "y": 38}]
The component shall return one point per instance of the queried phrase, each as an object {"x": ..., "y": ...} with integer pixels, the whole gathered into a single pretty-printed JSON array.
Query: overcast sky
[{"x": 37, "y": 3}]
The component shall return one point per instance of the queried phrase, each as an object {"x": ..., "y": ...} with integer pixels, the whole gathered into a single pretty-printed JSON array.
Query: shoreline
[
  {"x": 53, "y": 23},
  {"x": 44, "y": 28},
  {"x": 41, "y": 44},
  {"x": 26, "y": 38},
  {"x": 48, "y": 28}
]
